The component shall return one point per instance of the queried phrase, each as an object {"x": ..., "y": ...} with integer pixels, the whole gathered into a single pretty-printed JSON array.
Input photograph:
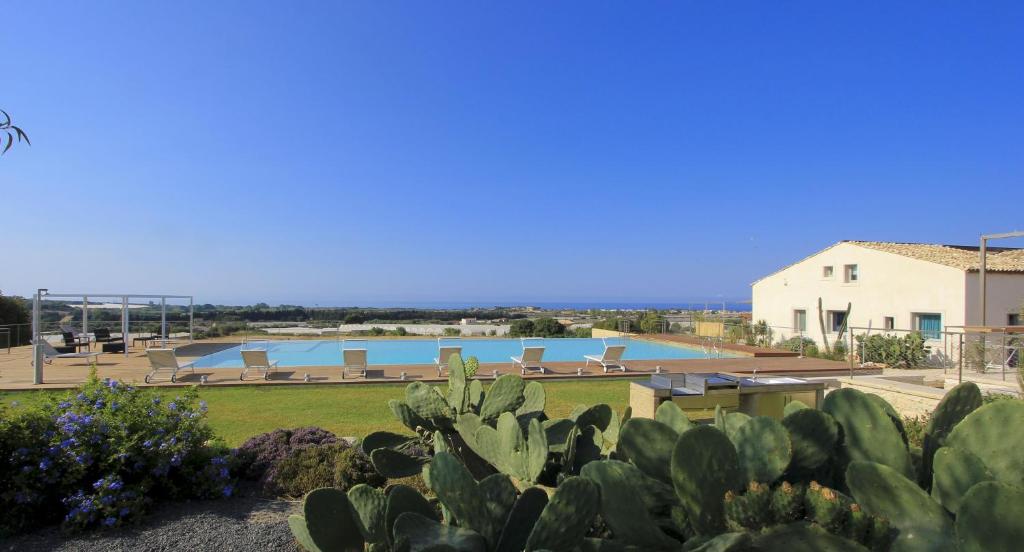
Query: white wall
[
  {"x": 1004, "y": 293},
  {"x": 888, "y": 285}
]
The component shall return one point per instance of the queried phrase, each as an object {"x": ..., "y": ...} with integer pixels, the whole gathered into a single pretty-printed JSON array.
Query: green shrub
[
  {"x": 521, "y": 328},
  {"x": 809, "y": 347},
  {"x": 907, "y": 351},
  {"x": 335, "y": 465},
  {"x": 451, "y": 332}
]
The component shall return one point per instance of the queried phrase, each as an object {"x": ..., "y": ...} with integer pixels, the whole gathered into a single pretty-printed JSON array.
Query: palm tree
[{"x": 11, "y": 131}]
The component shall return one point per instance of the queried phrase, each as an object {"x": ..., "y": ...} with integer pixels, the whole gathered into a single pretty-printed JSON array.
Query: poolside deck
[{"x": 16, "y": 370}]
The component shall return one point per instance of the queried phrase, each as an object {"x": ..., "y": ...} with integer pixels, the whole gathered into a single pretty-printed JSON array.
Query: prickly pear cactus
[
  {"x": 814, "y": 435},
  {"x": 803, "y": 537},
  {"x": 565, "y": 520},
  {"x": 990, "y": 518},
  {"x": 826, "y": 508},
  {"x": 370, "y": 505},
  {"x": 764, "y": 449},
  {"x": 704, "y": 467},
  {"x": 750, "y": 510},
  {"x": 956, "y": 471},
  {"x": 457, "y": 490},
  {"x": 415, "y": 532},
  {"x": 951, "y": 410},
  {"x": 598, "y": 415},
  {"x": 533, "y": 402},
  {"x": 521, "y": 519},
  {"x": 428, "y": 404},
  {"x": 622, "y": 507},
  {"x": 792, "y": 407},
  {"x": 995, "y": 434},
  {"x": 868, "y": 433},
  {"x": 787, "y": 502},
  {"x": 648, "y": 444},
  {"x": 884, "y": 492},
  {"x": 395, "y": 465},
  {"x": 408, "y": 416},
  {"x": 328, "y": 523},
  {"x": 504, "y": 395},
  {"x": 671, "y": 415}
]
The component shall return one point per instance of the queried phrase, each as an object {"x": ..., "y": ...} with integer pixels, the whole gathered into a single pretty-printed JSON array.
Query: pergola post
[
  {"x": 124, "y": 323},
  {"x": 191, "y": 315},
  {"x": 85, "y": 316},
  {"x": 37, "y": 334},
  {"x": 163, "y": 317}
]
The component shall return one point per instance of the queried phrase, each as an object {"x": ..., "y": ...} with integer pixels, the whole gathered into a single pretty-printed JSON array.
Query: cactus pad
[
  {"x": 671, "y": 415},
  {"x": 533, "y": 400},
  {"x": 417, "y": 533},
  {"x": 567, "y": 517},
  {"x": 402, "y": 499},
  {"x": 804, "y": 537},
  {"x": 648, "y": 444},
  {"x": 995, "y": 434},
  {"x": 408, "y": 417},
  {"x": 792, "y": 407},
  {"x": 395, "y": 465},
  {"x": 330, "y": 521},
  {"x": 956, "y": 471},
  {"x": 621, "y": 506},
  {"x": 504, "y": 395},
  {"x": 704, "y": 467},
  {"x": 990, "y": 518},
  {"x": 764, "y": 449},
  {"x": 787, "y": 502},
  {"x": 457, "y": 490},
  {"x": 884, "y": 492},
  {"x": 868, "y": 433},
  {"x": 370, "y": 505},
  {"x": 427, "y": 403},
  {"x": 383, "y": 439},
  {"x": 814, "y": 435},
  {"x": 521, "y": 519},
  {"x": 598, "y": 415}
]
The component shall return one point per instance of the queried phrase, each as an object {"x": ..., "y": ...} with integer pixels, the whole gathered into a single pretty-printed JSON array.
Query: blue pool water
[{"x": 423, "y": 351}]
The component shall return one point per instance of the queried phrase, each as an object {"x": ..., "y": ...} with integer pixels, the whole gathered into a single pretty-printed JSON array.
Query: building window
[
  {"x": 929, "y": 324},
  {"x": 889, "y": 323},
  {"x": 836, "y": 319},
  {"x": 826, "y": 271},
  {"x": 1014, "y": 319},
  {"x": 850, "y": 273},
  {"x": 800, "y": 320}
]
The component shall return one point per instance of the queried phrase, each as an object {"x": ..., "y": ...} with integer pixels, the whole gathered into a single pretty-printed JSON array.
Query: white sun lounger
[
  {"x": 256, "y": 359},
  {"x": 610, "y": 359},
  {"x": 530, "y": 360},
  {"x": 165, "y": 359},
  {"x": 353, "y": 362},
  {"x": 49, "y": 353},
  {"x": 444, "y": 354}
]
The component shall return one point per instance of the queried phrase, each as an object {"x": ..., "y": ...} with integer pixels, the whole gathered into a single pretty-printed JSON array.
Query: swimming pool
[{"x": 423, "y": 351}]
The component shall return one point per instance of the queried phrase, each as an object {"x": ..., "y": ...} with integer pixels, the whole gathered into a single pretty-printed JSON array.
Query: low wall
[
  {"x": 598, "y": 332},
  {"x": 908, "y": 399}
]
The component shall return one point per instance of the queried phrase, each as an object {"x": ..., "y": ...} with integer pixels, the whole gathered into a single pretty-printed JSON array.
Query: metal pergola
[{"x": 125, "y": 303}]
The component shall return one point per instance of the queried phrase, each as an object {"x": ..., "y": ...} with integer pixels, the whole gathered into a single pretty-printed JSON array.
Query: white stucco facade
[{"x": 885, "y": 289}]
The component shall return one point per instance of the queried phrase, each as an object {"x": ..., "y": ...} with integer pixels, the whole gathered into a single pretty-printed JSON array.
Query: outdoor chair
[
  {"x": 257, "y": 359},
  {"x": 50, "y": 353},
  {"x": 102, "y": 335},
  {"x": 444, "y": 355},
  {"x": 530, "y": 360},
  {"x": 165, "y": 359},
  {"x": 71, "y": 340},
  {"x": 353, "y": 361},
  {"x": 610, "y": 359}
]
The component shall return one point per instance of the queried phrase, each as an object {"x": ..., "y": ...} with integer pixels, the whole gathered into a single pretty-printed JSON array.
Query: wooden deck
[
  {"x": 16, "y": 369},
  {"x": 738, "y": 348}
]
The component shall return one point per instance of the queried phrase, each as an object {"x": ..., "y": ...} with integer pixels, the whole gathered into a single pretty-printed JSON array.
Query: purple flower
[
  {"x": 156, "y": 400},
  {"x": 64, "y": 404},
  {"x": 45, "y": 463},
  {"x": 115, "y": 485},
  {"x": 228, "y": 489},
  {"x": 123, "y": 512},
  {"x": 110, "y": 521},
  {"x": 112, "y": 384},
  {"x": 147, "y": 443},
  {"x": 202, "y": 406},
  {"x": 172, "y": 406}
]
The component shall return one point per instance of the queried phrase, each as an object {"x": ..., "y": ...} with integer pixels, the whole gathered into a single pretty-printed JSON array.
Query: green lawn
[{"x": 237, "y": 413}]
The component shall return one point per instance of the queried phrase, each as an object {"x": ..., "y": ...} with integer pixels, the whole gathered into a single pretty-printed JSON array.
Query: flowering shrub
[
  {"x": 101, "y": 455},
  {"x": 335, "y": 465},
  {"x": 258, "y": 455}
]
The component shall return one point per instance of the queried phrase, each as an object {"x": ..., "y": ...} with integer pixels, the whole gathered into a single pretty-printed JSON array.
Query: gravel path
[{"x": 245, "y": 523}]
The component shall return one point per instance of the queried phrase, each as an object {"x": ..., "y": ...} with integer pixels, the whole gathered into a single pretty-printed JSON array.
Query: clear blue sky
[{"x": 353, "y": 153}]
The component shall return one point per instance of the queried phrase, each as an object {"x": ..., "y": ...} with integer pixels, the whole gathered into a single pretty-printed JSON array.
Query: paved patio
[{"x": 16, "y": 369}]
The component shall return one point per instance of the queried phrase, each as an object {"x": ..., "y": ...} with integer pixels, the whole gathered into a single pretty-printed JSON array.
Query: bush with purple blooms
[
  {"x": 102, "y": 454},
  {"x": 258, "y": 455}
]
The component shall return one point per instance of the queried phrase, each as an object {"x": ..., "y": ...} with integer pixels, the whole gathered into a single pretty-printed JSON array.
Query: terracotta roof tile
[{"x": 964, "y": 257}]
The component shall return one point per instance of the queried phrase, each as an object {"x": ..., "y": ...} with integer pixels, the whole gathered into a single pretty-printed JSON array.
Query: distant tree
[
  {"x": 14, "y": 310},
  {"x": 651, "y": 322},
  {"x": 451, "y": 332},
  {"x": 583, "y": 332},
  {"x": 548, "y": 327},
  {"x": 377, "y": 331},
  {"x": 11, "y": 131},
  {"x": 401, "y": 331},
  {"x": 354, "y": 318},
  {"x": 522, "y": 327}
]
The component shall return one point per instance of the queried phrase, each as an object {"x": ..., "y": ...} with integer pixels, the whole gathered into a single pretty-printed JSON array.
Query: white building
[{"x": 903, "y": 286}]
